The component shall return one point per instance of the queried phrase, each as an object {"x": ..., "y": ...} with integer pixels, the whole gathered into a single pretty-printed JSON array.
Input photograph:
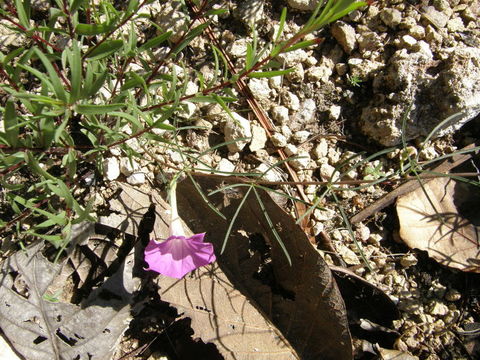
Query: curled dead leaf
[{"x": 433, "y": 219}]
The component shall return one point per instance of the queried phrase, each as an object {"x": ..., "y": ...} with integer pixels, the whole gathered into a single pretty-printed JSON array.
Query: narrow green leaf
[
  {"x": 92, "y": 29},
  {"x": 23, "y": 12},
  {"x": 43, "y": 77},
  {"x": 269, "y": 74},
  {"x": 60, "y": 129},
  {"x": 11, "y": 124},
  {"x": 209, "y": 99},
  {"x": 97, "y": 84},
  {"x": 35, "y": 167},
  {"x": 132, "y": 7},
  {"x": 55, "y": 240},
  {"x": 234, "y": 217},
  {"x": 272, "y": 227},
  {"x": 250, "y": 57},
  {"x": 105, "y": 49},
  {"x": 88, "y": 109},
  {"x": 47, "y": 131},
  {"x": 301, "y": 45},
  {"x": 75, "y": 61},
  {"x": 155, "y": 41},
  {"x": 205, "y": 198},
  {"x": 38, "y": 98},
  {"x": 214, "y": 12},
  {"x": 281, "y": 25},
  {"x": 54, "y": 78}
]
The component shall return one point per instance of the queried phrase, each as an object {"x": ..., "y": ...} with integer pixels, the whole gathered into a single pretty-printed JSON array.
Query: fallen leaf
[
  {"x": 219, "y": 313},
  {"x": 6, "y": 352},
  {"x": 222, "y": 315},
  {"x": 302, "y": 299},
  {"x": 431, "y": 220},
  {"x": 40, "y": 329}
]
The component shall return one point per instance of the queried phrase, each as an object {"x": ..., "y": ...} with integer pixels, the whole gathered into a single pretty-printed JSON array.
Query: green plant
[{"x": 67, "y": 107}]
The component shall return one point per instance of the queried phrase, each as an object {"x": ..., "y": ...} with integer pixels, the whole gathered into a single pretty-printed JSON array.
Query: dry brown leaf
[
  {"x": 441, "y": 230},
  {"x": 220, "y": 313},
  {"x": 302, "y": 300}
]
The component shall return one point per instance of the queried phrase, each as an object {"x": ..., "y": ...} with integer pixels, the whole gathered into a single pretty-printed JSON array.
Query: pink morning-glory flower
[{"x": 178, "y": 255}]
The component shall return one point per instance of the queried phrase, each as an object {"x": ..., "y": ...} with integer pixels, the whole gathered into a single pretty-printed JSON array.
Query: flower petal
[{"x": 178, "y": 255}]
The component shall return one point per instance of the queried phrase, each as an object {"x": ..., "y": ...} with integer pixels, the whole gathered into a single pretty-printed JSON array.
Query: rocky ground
[{"x": 391, "y": 64}]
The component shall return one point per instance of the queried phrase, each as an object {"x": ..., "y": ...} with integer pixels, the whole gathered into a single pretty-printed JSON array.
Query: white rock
[
  {"x": 302, "y": 162},
  {"x": 319, "y": 73},
  {"x": 271, "y": 175},
  {"x": 292, "y": 58},
  {"x": 225, "y": 166},
  {"x": 345, "y": 35},
  {"x": 111, "y": 168},
  {"x": 306, "y": 112},
  {"x": 238, "y": 48},
  {"x": 391, "y": 17},
  {"x": 171, "y": 17},
  {"x": 334, "y": 112},
  {"x": 186, "y": 110},
  {"x": 323, "y": 214},
  {"x": 191, "y": 89},
  {"x": 321, "y": 150},
  {"x": 278, "y": 140},
  {"x": 291, "y": 150},
  {"x": 317, "y": 228},
  {"x": 286, "y": 131},
  {"x": 408, "y": 41},
  {"x": 439, "y": 309},
  {"x": 250, "y": 12},
  {"x": 326, "y": 172},
  {"x": 363, "y": 232},
  {"x": 303, "y": 4},
  {"x": 291, "y": 101},
  {"x": 137, "y": 178},
  {"x": 175, "y": 156},
  {"x": 240, "y": 128},
  {"x": 301, "y": 136},
  {"x": 259, "y": 138},
  {"x": 280, "y": 114},
  {"x": 348, "y": 255},
  {"x": 127, "y": 167},
  {"x": 260, "y": 88},
  {"x": 455, "y": 25}
]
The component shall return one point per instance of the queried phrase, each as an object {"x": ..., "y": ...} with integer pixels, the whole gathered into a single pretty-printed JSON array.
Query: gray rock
[
  {"x": 137, "y": 178},
  {"x": 452, "y": 95},
  {"x": 260, "y": 89},
  {"x": 279, "y": 140},
  {"x": 127, "y": 167},
  {"x": 345, "y": 35},
  {"x": 259, "y": 138},
  {"x": 304, "y": 116},
  {"x": 240, "y": 128},
  {"x": 172, "y": 18},
  {"x": 436, "y": 18},
  {"x": 111, "y": 168},
  {"x": 303, "y": 4},
  {"x": 225, "y": 166},
  {"x": 391, "y": 17},
  {"x": 250, "y": 12},
  {"x": 302, "y": 162},
  {"x": 280, "y": 114}
]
